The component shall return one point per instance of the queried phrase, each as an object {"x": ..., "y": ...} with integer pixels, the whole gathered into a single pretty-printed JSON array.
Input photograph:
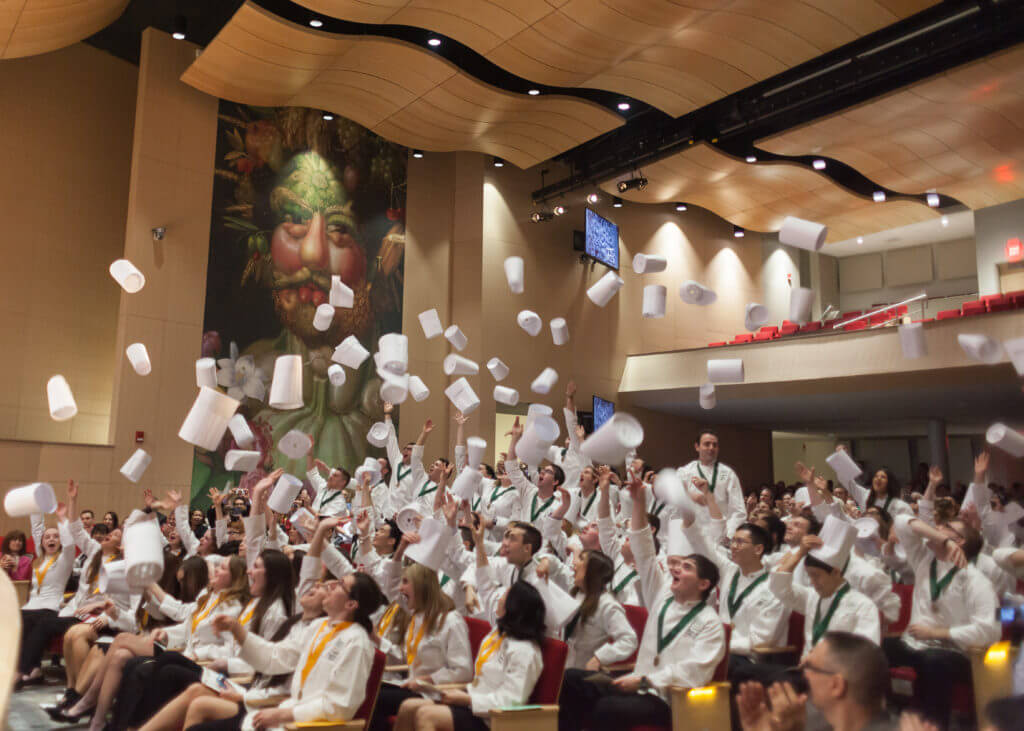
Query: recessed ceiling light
[
  {"x": 818, "y": 164},
  {"x": 623, "y": 106},
  {"x": 680, "y": 206},
  {"x": 417, "y": 154},
  {"x": 316, "y": 23},
  {"x": 944, "y": 221},
  {"x": 180, "y": 26},
  {"x": 498, "y": 162},
  {"x": 593, "y": 198},
  {"x": 933, "y": 200},
  {"x": 751, "y": 158},
  {"x": 533, "y": 92},
  {"x": 738, "y": 232},
  {"x": 434, "y": 42},
  {"x": 860, "y": 240},
  {"x": 559, "y": 210},
  {"x": 327, "y": 116},
  {"x": 878, "y": 196},
  {"x": 616, "y": 202}
]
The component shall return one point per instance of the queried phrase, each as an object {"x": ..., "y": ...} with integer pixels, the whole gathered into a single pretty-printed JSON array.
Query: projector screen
[
  {"x": 602, "y": 240},
  {"x": 603, "y": 411}
]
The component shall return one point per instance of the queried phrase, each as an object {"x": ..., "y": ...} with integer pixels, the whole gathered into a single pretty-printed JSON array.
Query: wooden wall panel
[{"x": 31, "y": 27}]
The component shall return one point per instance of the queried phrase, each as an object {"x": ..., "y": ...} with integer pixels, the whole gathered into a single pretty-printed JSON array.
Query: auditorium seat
[
  {"x": 718, "y": 344},
  {"x": 811, "y": 327},
  {"x": 742, "y": 338},
  {"x": 788, "y": 328},
  {"x": 542, "y": 713},
  {"x": 947, "y": 315},
  {"x": 362, "y": 718},
  {"x": 973, "y": 308}
]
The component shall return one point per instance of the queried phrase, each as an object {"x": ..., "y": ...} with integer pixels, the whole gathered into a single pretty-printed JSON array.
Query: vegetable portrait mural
[{"x": 298, "y": 199}]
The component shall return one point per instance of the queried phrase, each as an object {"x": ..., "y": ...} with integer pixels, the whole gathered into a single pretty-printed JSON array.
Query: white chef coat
[
  {"x": 50, "y": 593},
  {"x": 728, "y": 492},
  {"x": 203, "y": 643},
  {"x": 327, "y": 503},
  {"x": 508, "y": 676},
  {"x": 606, "y": 635},
  {"x": 444, "y": 654}
]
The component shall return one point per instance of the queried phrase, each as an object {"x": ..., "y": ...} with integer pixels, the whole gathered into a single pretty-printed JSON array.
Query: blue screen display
[
  {"x": 602, "y": 240},
  {"x": 603, "y": 411}
]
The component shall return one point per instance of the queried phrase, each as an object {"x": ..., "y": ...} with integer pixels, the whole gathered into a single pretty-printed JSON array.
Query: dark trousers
[
  {"x": 600, "y": 707},
  {"x": 937, "y": 670},
  {"x": 225, "y": 724},
  {"x": 38, "y": 627},
  {"x": 390, "y": 698},
  {"x": 148, "y": 685}
]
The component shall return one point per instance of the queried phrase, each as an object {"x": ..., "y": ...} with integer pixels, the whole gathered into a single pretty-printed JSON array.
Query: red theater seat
[
  {"x": 717, "y": 345},
  {"x": 788, "y": 328},
  {"x": 947, "y": 314},
  {"x": 973, "y": 308},
  {"x": 742, "y": 338},
  {"x": 811, "y": 327},
  {"x": 764, "y": 336}
]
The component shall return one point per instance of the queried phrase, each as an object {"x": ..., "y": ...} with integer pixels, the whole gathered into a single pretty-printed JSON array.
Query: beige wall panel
[
  {"x": 859, "y": 273},
  {"x": 912, "y": 265},
  {"x": 955, "y": 259}
]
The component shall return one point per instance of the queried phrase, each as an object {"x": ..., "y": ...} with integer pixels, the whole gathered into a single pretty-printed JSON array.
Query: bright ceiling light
[
  {"x": 680, "y": 206},
  {"x": 751, "y": 158},
  {"x": 878, "y": 196},
  {"x": 616, "y": 202},
  {"x": 417, "y": 154},
  {"x": 316, "y": 23},
  {"x": 860, "y": 240},
  {"x": 818, "y": 164},
  {"x": 933, "y": 200},
  {"x": 498, "y": 162},
  {"x": 944, "y": 221},
  {"x": 541, "y": 216},
  {"x": 738, "y": 232},
  {"x": 639, "y": 183},
  {"x": 434, "y": 42},
  {"x": 327, "y": 116},
  {"x": 180, "y": 27},
  {"x": 559, "y": 210},
  {"x": 533, "y": 92},
  {"x": 593, "y": 198},
  {"x": 623, "y": 106}
]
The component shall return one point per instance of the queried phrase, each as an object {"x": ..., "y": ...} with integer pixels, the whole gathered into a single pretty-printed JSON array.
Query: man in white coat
[{"x": 721, "y": 479}]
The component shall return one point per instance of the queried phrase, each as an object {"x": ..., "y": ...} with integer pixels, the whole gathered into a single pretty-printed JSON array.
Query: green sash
[
  {"x": 736, "y": 602},
  {"x": 937, "y": 587},
  {"x": 665, "y": 640},
  {"x": 821, "y": 625}
]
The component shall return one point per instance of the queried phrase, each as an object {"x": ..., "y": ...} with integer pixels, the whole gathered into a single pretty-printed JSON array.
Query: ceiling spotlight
[
  {"x": 540, "y": 216},
  {"x": 434, "y": 42},
  {"x": 559, "y": 210},
  {"x": 327, "y": 116},
  {"x": 680, "y": 206},
  {"x": 738, "y": 232},
  {"x": 616, "y": 202},
  {"x": 751, "y": 158},
  {"x": 498, "y": 162},
  {"x": 623, "y": 106},
  {"x": 878, "y": 196},
  {"x": 533, "y": 92},
  {"x": 417, "y": 154},
  {"x": 180, "y": 26},
  {"x": 818, "y": 164},
  {"x": 860, "y": 240},
  {"x": 944, "y": 221},
  {"x": 593, "y": 198},
  {"x": 933, "y": 200},
  {"x": 638, "y": 183},
  {"x": 316, "y": 23}
]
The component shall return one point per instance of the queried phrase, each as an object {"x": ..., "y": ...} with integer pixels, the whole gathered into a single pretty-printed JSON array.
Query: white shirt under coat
[
  {"x": 606, "y": 635},
  {"x": 728, "y": 493}
]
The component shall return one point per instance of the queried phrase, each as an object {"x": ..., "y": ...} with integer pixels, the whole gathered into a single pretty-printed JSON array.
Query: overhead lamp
[
  {"x": 860, "y": 240},
  {"x": 180, "y": 26},
  {"x": 623, "y": 106},
  {"x": 498, "y": 162},
  {"x": 818, "y": 164},
  {"x": 878, "y": 196},
  {"x": 533, "y": 92},
  {"x": 559, "y": 210},
  {"x": 616, "y": 202},
  {"x": 933, "y": 200},
  {"x": 738, "y": 232},
  {"x": 944, "y": 221},
  {"x": 316, "y": 23},
  {"x": 327, "y": 116},
  {"x": 541, "y": 216},
  {"x": 751, "y": 158},
  {"x": 433, "y": 42},
  {"x": 638, "y": 183},
  {"x": 680, "y": 207},
  {"x": 593, "y": 198},
  {"x": 417, "y": 154}
]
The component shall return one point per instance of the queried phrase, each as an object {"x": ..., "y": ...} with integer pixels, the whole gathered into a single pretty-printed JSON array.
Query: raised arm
[
  {"x": 642, "y": 544},
  {"x": 461, "y": 458}
]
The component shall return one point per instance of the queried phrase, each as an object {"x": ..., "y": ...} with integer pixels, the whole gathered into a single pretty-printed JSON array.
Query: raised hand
[
  {"x": 172, "y": 499},
  {"x": 570, "y": 389},
  {"x": 563, "y": 507},
  {"x": 460, "y": 418},
  {"x": 788, "y": 707},
  {"x": 62, "y": 512},
  {"x": 72, "y": 489},
  {"x": 516, "y": 431},
  {"x": 215, "y": 497},
  {"x": 428, "y": 426},
  {"x": 147, "y": 497},
  {"x": 935, "y": 475},
  {"x": 804, "y": 473},
  {"x": 811, "y": 542},
  {"x": 752, "y": 704},
  {"x": 981, "y": 466},
  {"x": 388, "y": 408}
]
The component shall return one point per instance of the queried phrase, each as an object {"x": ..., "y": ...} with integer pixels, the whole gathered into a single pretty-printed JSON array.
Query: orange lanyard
[
  {"x": 108, "y": 559},
  {"x": 247, "y": 617},
  {"x": 317, "y": 649},
  {"x": 412, "y": 647},
  {"x": 198, "y": 616},
  {"x": 41, "y": 574},
  {"x": 490, "y": 646},
  {"x": 385, "y": 622}
]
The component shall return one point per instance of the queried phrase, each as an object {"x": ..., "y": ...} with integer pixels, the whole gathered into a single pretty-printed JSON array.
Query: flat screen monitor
[
  {"x": 603, "y": 411},
  {"x": 602, "y": 240}
]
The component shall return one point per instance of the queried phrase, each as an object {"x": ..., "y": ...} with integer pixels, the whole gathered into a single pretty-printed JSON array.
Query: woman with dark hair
[
  {"x": 111, "y": 520},
  {"x": 884, "y": 492},
  {"x": 14, "y": 558},
  {"x": 598, "y": 634},
  {"x": 507, "y": 667}
]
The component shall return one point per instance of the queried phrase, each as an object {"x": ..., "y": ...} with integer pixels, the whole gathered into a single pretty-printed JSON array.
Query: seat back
[
  {"x": 722, "y": 669},
  {"x": 10, "y": 639},
  {"x": 973, "y": 308},
  {"x": 795, "y": 632},
  {"x": 372, "y": 686},
  {"x": 554, "y": 653},
  {"x": 906, "y": 594},
  {"x": 478, "y": 629}
]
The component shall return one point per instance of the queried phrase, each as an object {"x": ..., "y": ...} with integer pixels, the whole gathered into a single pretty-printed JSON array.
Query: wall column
[{"x": 937, "y": 451}]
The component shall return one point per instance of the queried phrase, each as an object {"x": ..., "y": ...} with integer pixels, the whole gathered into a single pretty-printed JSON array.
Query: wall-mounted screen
[
  {"x": 603, "y": 411},
  {"x": 602, "y": 240}
]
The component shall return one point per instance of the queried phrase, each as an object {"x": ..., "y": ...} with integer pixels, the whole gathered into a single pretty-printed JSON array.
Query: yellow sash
[
  {"x": 317, "y": 649},
  {"x": 489, "y": 647},
  {"x": 385, "y": 622},
  {"x": 412, "y": 646},
  {"x": 247, "y": 617},
  {"x": 108, "y": 559},
  {"x": 198, "y": 616},
  {"x": 41, "y": 574}
]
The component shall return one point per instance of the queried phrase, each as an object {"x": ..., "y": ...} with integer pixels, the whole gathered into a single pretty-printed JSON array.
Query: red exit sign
[{"x": 1014, "y": 249}]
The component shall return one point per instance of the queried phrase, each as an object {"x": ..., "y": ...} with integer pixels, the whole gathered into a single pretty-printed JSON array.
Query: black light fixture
[
  {"x": 738, "y": 232},
  {"x": 593, "y": 198},
  {"x": 498, "y": 162},
  {"x": 417, "y": 154},
  {"x": 180, "y": 28},
  {"x": 680, "y": 207},
  {"x": 541, "y": 216},
  {"x": 559, "y": 210},
  {"x": 638, "y": 183},
  {"x": 616, "y": 202}
]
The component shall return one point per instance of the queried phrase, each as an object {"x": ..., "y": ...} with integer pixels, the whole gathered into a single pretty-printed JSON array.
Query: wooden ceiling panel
[
  {"x": 708, "y": 48},
  {"x": 31, "y": 27},
  {"x": 399, "y": 90},
  {"x": 960, "y": 133}
]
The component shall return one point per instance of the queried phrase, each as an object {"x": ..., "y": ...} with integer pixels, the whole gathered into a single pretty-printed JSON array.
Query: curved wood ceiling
[
  {"x": 960, "y": 133},
  {"x": 30, "y": 27},
  {"x": 396, "y": 89},
  {"x": 758, "y": 196},
  {"x": 675, "y": 56}
]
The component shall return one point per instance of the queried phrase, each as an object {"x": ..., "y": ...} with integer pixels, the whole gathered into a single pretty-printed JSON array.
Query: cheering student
[
  {"x": 535, "y": 501},
  {"x": 884, "y": 492},
  {"x": 329, "y": 500},
  {"x": 723, "y": 482},
  {"x": 625, "y": 583},
  {"x": 401, "y": 464}
]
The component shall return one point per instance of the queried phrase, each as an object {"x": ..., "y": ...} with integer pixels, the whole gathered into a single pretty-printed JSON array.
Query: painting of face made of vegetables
[{"x": 298, "y": 200}]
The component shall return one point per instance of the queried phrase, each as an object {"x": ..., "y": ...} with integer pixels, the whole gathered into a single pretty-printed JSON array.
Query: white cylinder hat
[
  {"x": 394, "y": 352},
  {"x": 755, "y": 316},
  {"x": 241, "y": 432},
  {"x": 498, "y": 369},
  {"x": 669, "y": 489},
  {"x": 1009, "y": 440},
  {"x": 514, "y": 274},
  {"x": 241, "y": 460},
  {"x": 708, "y": 400},
  {"x": 536, "y": 410},
  {"x": 284, "y": 494},
  {"x": 28, "y": 499},
  {"x": 559, "y": 331},
  {"x": 725, "y": 370},
  {"x": 845, "y": 468},
  {"x": 394, "y": 388},
  {"x": 323, "y": 317},
  {"x": 530, "y": 322},
  {"x": 456, "y": 365},
  {"x": 695, "y": 293},
  {"x": 143, "y": 553},
  {"x": 369, "y": 466},
  {"x": 545, "y": 381},
  {"x": 418, "y": 389},
  {"x": 980, "y": 347},
  {"x": 462, "y": 396},
  {"x": 602, "y": 291},
  {"x": 506, "y": 395},
  {"x": 136, "y": 465},
  {"x": 206, "y": 373},
  {"x": 537, "y": 437},
  {"x": 431, "y": 324},
  {"x": 378, "y": 434},
  {"x": 350, "y": 352},
  {"x": 802, "y": 233},
  {"x": 295, "y": 444},
  {"x": 113, "y": 578},
  {"x": 655, "y": 296},
  {"x": 611, "y": 443},
  {"x": 207, "y": 420},
  {"x": 456, "y": 337},
  {"x": 468, "y": 483},
  {"x": 138, "y": 356},
  {"x": 475, "y": 448},
  {"x": 1015, "y": 349},
  {"x": 286, "y": 387},
  {"x": 127, "y": 275},
  {"x": 912, "y": 340},
  {"x": 649, "y": 264},
  {"x": 336, "y": 375},
  {"x": 61, "y": 401},
  {"x": 341, "y": 294},
  {"x": 801, "y": 299}
]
